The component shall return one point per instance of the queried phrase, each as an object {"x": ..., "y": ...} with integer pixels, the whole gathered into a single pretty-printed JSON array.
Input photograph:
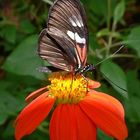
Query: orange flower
[{"x": 80, "y": 110}]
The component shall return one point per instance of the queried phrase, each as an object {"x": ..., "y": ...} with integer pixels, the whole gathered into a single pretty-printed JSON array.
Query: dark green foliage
[{"x": 112, "y": 23}]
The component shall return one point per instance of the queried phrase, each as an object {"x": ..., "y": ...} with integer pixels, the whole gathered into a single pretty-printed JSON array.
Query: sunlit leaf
[{"x": 119, "y": 11}]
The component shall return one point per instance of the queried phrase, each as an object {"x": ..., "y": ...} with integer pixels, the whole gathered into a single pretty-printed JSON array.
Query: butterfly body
[
  {"x": 64, "y": 43},
  {"x": 87, "y": 68}
]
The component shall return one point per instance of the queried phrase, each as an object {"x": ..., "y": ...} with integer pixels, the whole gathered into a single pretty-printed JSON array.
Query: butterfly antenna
[
  {"x": 113, "y": 82},
  {"x": 109, "y": 56}
]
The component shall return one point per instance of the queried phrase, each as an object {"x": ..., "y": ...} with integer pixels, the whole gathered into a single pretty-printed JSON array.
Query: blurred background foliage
[{"x": 112, "y": 24}]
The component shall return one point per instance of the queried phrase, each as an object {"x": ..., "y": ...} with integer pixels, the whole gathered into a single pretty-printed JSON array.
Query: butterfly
[{"x": 64, "y": 43}]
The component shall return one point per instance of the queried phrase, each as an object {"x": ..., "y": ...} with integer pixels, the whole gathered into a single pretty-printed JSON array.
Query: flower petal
[
  {"x": 35, "y": 94},
  {"x": 93, "y": 84},
  {"x": 32, "y": 115},
  {"x": 107, "y": 113},
  {"x": 109, "y": 100},
  {"x": 63, "y": 123},
  {"x": 69, "y": 122},
  {"x": 86, "y": 128}
]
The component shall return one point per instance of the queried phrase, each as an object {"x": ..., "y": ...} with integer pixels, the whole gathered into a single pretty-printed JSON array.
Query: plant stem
[
  {"x": 109, "y": 13},
  {"x": 48, "y": 2},
  {"x": 99, "y": 51},
  {"x": 108, "y": 26},
  {"x": 110, "y": 38}
]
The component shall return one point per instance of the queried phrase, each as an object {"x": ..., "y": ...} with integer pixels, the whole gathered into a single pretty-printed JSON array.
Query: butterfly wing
[
  {"x": 50, "y": 50},
  {"x": 67, "y": 29}
]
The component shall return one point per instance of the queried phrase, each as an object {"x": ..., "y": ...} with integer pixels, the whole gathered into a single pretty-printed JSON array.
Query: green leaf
[
  {"x": 133, "y": 39},
  {"x": 4, "y": 84},
  {"x": 132, "y": 105},
  {"x": 133, "y": 84},
  {"x": 8, "y": 32},
  {"x": 119, "y": 11},
  {"x": 24, "y": 59},
  {"x": 3, "y": 118},
  {"x": 93, "y": 46},
  {"x": 27, "y": 27},
  {"x": 99, "y": 7},
  {"x": 8, "y": 131},
  {"x": 102, "y": 136},
  {"x": 115, "y": 76},
  {"x": 132, "y": 109},
  {"x": 8, "y": 103}
]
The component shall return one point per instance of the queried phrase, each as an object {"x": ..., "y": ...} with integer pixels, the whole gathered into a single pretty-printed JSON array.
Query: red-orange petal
[
  {"x": 110, "y": 101},
  {"x": 35, "y": 94},
  {"x": 32, "y": 115},
  {"x": 107, "y": 113},
  {"x": 63, "y": 123},
  {"x": 93, "y": 84},
  {"x": 86, "y": 128},
  {"x": 69, "y": 122}
]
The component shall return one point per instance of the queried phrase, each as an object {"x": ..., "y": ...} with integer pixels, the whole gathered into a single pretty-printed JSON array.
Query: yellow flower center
[{"x": 67, "y": 88}]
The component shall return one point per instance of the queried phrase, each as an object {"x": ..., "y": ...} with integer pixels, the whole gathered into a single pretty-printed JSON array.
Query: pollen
[{"x": 67, "y": 88}]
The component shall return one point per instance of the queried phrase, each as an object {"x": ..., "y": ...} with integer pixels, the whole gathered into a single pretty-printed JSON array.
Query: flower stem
[
  {"x": 98, "y": 52},
  {"x": 109, "y": 13},
  {"x": 113, "y": 28},
  {"x": 110, "y": 38}
]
